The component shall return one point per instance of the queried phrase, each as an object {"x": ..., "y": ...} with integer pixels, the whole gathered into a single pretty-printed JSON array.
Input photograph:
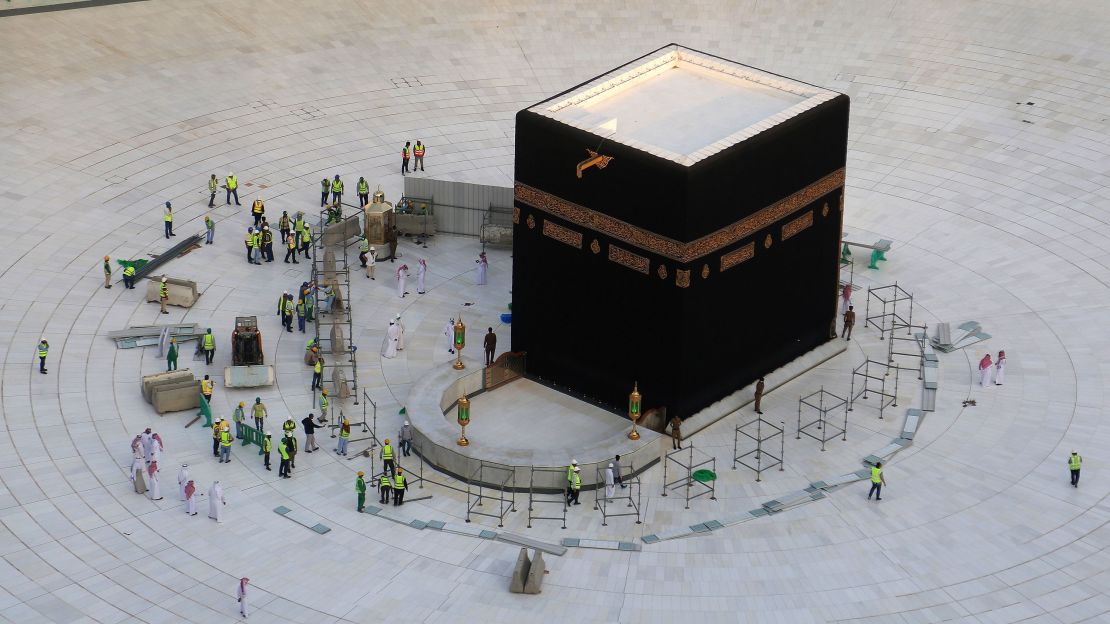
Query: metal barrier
[
  {"x": 602, "y": 501},
  {"x": 475, "y": 491},
  {"x": 686, "y": 469},
  {"x": 537, "y": 497}
]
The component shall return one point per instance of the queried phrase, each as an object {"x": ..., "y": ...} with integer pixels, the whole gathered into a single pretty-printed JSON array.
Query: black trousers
[
  {"x": 304, "y": 248},
  {"x": 284, "y": 236},
  {"x": 363, "y": 199},
  {"x": 128, "y": 282},
  {"x": 257, "y": 219},
  {"x": 398, "y": 496},
  {"x": 212, "y": 200},
  {"x": 336, "y": 197},
  {"x": 388, "y": 465},
  {"x": 573, "y": 499},
  {"x": 323, "y": 198},
  {"x": 877, "y": 490},
  {"x": 385, "y": 492},
  {"x": 209, "y": 354},
  {"x": 404, "y": 165},
  {"x": 250, "y": 251},
  {"x": 266, "y": 461},
  {"x": 268, "y": 252},
  {"x": 231, "y": 192},
  {"x": 216, "y": 447},
  {"x": 283, "y": 468},
  {"x": 291, "y": 252},
  {"x": 1075, "y": 478},
  {"x": 42, "y": 364},
  {"x": 287, "y": 320},
  {"x": 316, "y": 379}
]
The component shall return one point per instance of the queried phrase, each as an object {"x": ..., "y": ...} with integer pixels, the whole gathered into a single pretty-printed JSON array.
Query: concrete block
[
  {"x": 183, "y": 293},
  {"x": 338, "y": 345},
  {"x": 252, "y": 376},
  {"x": 339, "y": 381},
  {"x": 149, "y": 381},
  {"x": 329, "y": 266},
  {"x": 336, "y": 234},
  {"x": 534, "y": 581},
  {"x": 176, "y": 397},
  {"x": 520, "y": 572}
]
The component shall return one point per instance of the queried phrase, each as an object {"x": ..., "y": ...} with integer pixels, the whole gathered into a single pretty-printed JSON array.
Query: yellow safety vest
[
  {"x": 257, "y": 207},
  {"x": 206, "y": 386},
  {"x": 399, "y": 482},
  {"x": 225, "y": 438},
  {"x": 43, "y": 349},
  {"x": 577, "y": 483},
  {"x": 212, "y": 185},
  {"x": 418, "y": 150},
  {"x": 163, "y": 291},
  {"x": 323, "y": 403},
  {"x": 129, "y": 271},
  {"x": 876, "y": 475},
  {"x": 283, "y": 450},
  {"x": 344, "y": 433},
  {"x": 266, "y": 445},
  {"x": 363, "y": 188},
  {"x": 209, "y": 342},
  {"x": 216, "y": 429},
  {"x": 325, "y": 185},
  {"x": 232, "y": 183},
  {"x": 289, "y": 426},
  {"x": 258, "y": 410},
  {"x": 318, "y": 368},
  {"x": 385, "y": 481},
  {"x": 1074, "y": 462},
  {"x": 387, "y": 452},
  {"x": 169, "y": 215},
  {"x": 337, "y": 186}
]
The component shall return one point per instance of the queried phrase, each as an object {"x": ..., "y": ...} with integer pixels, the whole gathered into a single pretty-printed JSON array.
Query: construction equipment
[
  {"x": 246, "y": 342},
  {"x": 248, "y": 369}
]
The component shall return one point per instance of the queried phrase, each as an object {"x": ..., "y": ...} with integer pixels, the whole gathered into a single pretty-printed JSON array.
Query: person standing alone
[
  {"x": 759, "y": 385},
  {"x": 1075, "y": 462},
  {"x": 490, "y": 344},
  {"x": 877, "y": 482},
  {"x": 44, "y": 348},
  {"x": 849, "y": 323},
  {"x": 213, "y": 186},
  {"x": 232, "y": 185},
  {"x": 107, "y": 273},
  {"x": 167, "y": 217}
]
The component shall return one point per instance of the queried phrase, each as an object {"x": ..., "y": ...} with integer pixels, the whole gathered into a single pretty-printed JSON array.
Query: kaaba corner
[{"x": 676, "y": 225}]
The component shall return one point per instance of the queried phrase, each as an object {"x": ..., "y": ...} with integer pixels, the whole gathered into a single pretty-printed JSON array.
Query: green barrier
[
  {"x": 846, "y": 254},
  {"x": 206, "y": 411},
  {"x": 876, "y": 256},
  {"x": 250, "y": 435}
]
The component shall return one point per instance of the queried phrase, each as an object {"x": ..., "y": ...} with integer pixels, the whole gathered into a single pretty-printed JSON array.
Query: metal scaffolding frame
[
  {"x": 764, "y": 431},
  {"x": 871, "y": 381},
  {"x": 826, "y": 403},
  {"x": 916, "y": 351},
  {"x": 602, "y": 503},
  {"x": 538, "y": 497},
  {"x": 475, "y": 491},
  {"x": 686, "y": 471},
  {"x": 890, "y": 319}
]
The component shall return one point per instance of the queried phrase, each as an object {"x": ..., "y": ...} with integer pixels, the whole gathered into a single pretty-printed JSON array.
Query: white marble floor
[{"x": 979, "y": 144}]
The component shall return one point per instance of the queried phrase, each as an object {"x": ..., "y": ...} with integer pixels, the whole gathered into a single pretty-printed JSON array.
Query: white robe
[
  {"x": 154, "y": 490},
  {"x": 401, "y": 275},
  {"x": 999, "y": 371},
  {"x": 155, "y": 451},
  {"x": 984, "y": 376},
  {"x": 421, "y": 271},
  {"x": 148, "y": 445},
  {"x": 483, "y": 266},
  {"x": 137, "y": 470},
  {"x": 191, "y": 505},
  {"x": 609, "y": 486},
  {"x": 242, "y": 597},
  {"x": 450, "y": 331},
  {"x": 182, "y": 480},
  {"x": 401, "y": 335},
  {"x": 370, "y": 261},
  {"x": 216, "y": 502},
  {"x": 392, "y": 335}
]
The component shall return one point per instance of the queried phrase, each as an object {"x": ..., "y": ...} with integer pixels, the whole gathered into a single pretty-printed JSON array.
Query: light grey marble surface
[{"x": 978, "y": 145}]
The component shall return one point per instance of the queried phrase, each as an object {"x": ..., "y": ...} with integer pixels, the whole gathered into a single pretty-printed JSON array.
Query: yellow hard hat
[
  {"x": 106, "y": 258},
  {"x": 361, "y": 473}
]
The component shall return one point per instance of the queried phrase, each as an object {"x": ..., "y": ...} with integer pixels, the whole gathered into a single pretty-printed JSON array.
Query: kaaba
[{"x": 676, "y": 225}]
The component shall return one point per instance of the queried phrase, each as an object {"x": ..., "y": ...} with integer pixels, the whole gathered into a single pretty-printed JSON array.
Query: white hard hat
[
  {"x": 610, "y": 465},
  {"x": 577, "y": 469},
  {"x": 163, "y": 279},
  {"x": 574, "y": 462},
  {"x": 406, "y": 422}
]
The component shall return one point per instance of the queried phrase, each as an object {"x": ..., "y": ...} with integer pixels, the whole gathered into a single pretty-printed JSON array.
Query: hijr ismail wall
[{"x": 691, "y": 274}]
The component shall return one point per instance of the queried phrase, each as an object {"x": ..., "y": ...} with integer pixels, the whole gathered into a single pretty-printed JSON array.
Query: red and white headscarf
[
  {"x": 152, "y": 468},
  {"x": 1001, "y": 355},
  {"x": 190, "y": 488},
  {"x": 402, "y": 269},
  {"x": 985, "y": 362},
  {"x": 159, "y": 439}
]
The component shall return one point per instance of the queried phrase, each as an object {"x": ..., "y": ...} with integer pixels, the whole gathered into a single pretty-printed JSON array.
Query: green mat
[{"x": 704, "y": 476}]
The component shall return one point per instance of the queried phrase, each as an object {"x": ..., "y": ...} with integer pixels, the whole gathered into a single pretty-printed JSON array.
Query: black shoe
[
  {"x": 868, "y": 498},
  {"x": 267, "y": 467},
  {"x": 172, "y": 234},
  {"x": 760, "y": 413},
  {"x": 109, "y": 286},
  {"x": 165, "y": 312}
]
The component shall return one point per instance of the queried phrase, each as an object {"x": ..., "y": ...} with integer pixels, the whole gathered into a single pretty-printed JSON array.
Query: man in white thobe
[
  {"x": 154, "y": 491},
  {"x": 241, "y": 595},
  {"x": 148, "y": 443},
  {"x": 401, "y": 328},
  {"x": 610, "y": 487},
  {"x": 216, "y": 502},
  {"x": 1000, "y": 368},
  {"x": 450, "y": 332},
  {"x": 402, "y": 273},
  {"x": 392, "y": 335},
  {"x": 371, "y": 259},
  {"x": 156, "y": 447},
  {"x": 421, "y": 272},
  {"x": 190, "y": 498},
  {"x": 183, "y": 479},
  {"x": 137, "y": 469},
  {"x": 483, "y": 267},
  {"x": 985, "y": 370}
]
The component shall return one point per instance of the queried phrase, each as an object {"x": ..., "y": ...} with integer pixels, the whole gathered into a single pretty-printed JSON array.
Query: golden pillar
[
  {"x": 460, "y": 342},
  {"x": 464, "y": 420},
  {"x": 634, "y": 411}
]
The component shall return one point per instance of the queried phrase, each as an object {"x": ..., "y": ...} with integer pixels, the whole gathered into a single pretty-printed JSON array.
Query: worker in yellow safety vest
[
  {"x": 209, "y": 346},
  {"x": 225, "y": 445},
  {"x": 232, "y": 184},
  {"x": 167, "y": 217},
  {"x": 387, "y": 458},
  {"x": 418, "y": 155},
  {"x": 317, "y": 374},
  {"x": 344, "y": 437},
  {"x": 325, "y": 186},
  {"x": 399, "y": 487},
  {"x": 363, "y": 192},
  {"x": 248, "y": 242},
  {"x": 1075, "y": 462},
  {"x": 267, "y": 446},
  {"x": 129, "y": 277},
  {"x": 877, "y": 481},
  {"x": 216, "y": 437},
  {"x": 336, "y": 190},
  {"x": 385, "y": 486},
  {"x": 258, "y": 211},
  {"x": 206, "y": 386},
  {"x": 44, "y": 348},
  {"x": 163, "y": 294},
  {"x": 405, "y": 158}
]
